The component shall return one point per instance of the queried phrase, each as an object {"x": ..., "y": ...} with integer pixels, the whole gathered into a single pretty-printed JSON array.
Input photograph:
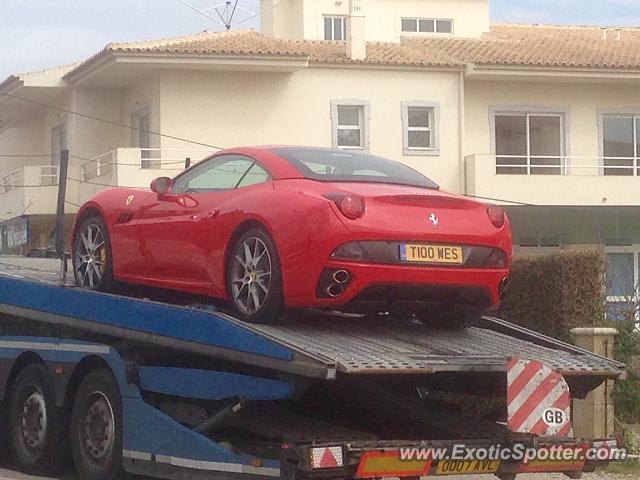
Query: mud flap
[{"x": 538, "y": 399}]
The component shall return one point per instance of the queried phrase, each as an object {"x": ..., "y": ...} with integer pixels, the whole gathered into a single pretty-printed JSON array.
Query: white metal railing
[
  {"x": 174, "y": 159},
  {"x": 11, "y": 180},
  {"x": 166, "y": 159},
  {"x": 99, "y": 166},
  {"x": 562, "y": 165},
  {"x": 47, "y": 175}
]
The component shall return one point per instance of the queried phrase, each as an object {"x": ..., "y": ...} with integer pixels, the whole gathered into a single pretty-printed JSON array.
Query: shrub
[{"x": 555, "y": 293}]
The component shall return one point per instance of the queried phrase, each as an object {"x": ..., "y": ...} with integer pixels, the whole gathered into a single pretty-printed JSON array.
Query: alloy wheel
[
  {"x": 91, "y": 256},
  {"x": 251, "y": 275}
]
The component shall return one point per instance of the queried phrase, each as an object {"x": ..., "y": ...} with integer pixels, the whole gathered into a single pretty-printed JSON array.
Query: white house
[{"x": 543, "y": 119}]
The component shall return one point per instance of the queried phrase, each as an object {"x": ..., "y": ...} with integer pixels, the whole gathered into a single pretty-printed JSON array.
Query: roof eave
[
  {"x": 106, "y": 58},
  {"x": 556, "y": 72}
]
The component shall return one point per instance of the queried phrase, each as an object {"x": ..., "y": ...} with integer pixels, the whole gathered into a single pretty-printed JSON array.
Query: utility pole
[{"x": 62, "y": 197}]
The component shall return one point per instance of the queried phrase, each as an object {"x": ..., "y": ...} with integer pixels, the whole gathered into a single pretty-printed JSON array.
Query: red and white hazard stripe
[{"x": 538, "y": 399}]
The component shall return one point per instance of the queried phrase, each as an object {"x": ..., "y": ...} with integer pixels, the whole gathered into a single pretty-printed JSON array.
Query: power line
[
  {"x": 108, "y": 122},
  {"x": 261, "y": 12},
  {"x": 202, "y": 12}
]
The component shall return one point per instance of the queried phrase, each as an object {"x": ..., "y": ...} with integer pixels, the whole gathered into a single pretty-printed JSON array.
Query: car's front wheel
[
  {"x": 92, "y": 264},
  {"x": 254, "y": 279}
]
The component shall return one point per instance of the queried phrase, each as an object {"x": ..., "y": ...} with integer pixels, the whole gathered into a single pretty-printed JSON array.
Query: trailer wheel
[
  {"x": 36, "y": 426},
  {"x": 96, "y": 428}
]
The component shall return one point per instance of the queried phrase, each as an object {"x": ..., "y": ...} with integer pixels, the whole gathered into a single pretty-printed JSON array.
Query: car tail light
[
  {"x": 326, "y": 457},
  {"x": 496, "y": 215},
  {"x": 351, "y": 206}
]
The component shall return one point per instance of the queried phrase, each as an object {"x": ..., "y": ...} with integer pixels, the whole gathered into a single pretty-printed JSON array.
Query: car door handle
[{"x": 212, "y": 214}]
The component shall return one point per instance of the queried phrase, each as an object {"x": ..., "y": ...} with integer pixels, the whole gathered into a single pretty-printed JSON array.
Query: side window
[{"x": 221, "y": 173}]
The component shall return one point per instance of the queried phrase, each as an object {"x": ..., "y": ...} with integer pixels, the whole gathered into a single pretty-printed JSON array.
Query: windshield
[{"x": 344, "y": 166}]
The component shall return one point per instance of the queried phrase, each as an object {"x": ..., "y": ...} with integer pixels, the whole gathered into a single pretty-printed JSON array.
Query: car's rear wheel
[
  {"x": 254, "y": 279},
  {"x": 92, "y": 258}
]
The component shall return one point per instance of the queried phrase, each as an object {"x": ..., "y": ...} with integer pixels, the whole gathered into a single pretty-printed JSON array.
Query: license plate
[
  {"x": 389, "y": 464},
  {"x": 431, "y": 254},
  {"x": 463, "y": 467}
]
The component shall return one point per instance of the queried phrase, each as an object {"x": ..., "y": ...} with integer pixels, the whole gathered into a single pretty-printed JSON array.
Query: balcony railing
[
  {"x": 39, "y": 175},
  {"x": 167, "y": 160},
  {"x": 554, "y": 180},
  {"x": 565, "y": 165}
]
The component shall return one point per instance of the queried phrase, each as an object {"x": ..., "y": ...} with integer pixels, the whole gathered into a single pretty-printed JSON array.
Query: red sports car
[{"x": 266, "y": 228}]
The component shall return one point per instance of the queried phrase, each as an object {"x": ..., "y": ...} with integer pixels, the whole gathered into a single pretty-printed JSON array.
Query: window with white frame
[
  {"x": 420, "y": 128},
  {"x": 141, "y": 122},
  {"x": 335, "y": 27},
  {"x": 427, "y": 25},
  {"x": 623, "y": 275},
  {"x": 350, "y": 124},
  {"x": 621, "y": 144},
  {"x": 529, "y": 143}
]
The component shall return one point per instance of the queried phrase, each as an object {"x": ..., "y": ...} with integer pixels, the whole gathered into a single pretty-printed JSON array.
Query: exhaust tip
[
  {"x": 504, "y": 285},
  {"x": 335, "y": 290},
  {"x": 341, "y": 276}
]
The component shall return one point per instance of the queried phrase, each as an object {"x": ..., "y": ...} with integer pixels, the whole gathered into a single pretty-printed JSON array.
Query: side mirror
[{"x": 161, "y": 185}]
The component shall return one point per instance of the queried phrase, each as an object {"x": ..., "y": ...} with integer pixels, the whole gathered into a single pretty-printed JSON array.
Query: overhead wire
[{"x": 108, "y": 122}]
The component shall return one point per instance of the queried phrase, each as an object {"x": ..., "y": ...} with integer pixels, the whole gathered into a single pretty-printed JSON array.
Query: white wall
[
  {"x": 581, "y": 103},
  {"x": 26, "y": 139},
  {"x": 245, "y": 108},
  {"x": 297, "y": 19}
]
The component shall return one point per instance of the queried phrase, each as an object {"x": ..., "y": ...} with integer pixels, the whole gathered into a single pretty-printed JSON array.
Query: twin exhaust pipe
[{"x": 340, "y": 280}]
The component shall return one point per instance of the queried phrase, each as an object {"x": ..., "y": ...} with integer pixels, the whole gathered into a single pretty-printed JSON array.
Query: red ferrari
[{"x": 269, "y": 228}]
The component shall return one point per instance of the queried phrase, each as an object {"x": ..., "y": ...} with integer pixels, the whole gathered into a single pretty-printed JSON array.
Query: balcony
[
  {"x": 31, "y": 190},
  {"x": 562, "y": 181}
]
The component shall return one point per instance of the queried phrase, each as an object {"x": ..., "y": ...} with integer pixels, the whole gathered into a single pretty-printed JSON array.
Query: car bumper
[{"x": 371, "y": 283}]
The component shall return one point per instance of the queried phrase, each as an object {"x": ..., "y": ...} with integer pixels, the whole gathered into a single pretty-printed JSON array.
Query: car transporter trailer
[{"x": 130, "y": 384}]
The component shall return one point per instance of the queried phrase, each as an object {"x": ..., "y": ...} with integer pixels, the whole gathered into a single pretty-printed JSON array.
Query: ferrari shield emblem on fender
[
  {"x": 129, "y": 200},
  {"x": 434, "y": 220}
]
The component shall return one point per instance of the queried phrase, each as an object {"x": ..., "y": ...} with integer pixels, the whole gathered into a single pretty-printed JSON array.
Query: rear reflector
[
  {"x": 326, "y": 457},
  {"x": 389, "y": 464}
]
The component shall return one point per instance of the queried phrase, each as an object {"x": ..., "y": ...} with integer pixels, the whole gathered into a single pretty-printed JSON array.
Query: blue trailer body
[
  {"x": 227, "y": 360},
  {"x": 149, "y": 435}
]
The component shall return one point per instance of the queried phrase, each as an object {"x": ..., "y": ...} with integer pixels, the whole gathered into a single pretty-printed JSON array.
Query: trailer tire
[
  {"x": 36, "y": 426},
  {"x": 96, "y": 427}
]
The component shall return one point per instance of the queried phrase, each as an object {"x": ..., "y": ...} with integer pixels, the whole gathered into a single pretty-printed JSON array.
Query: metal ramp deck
[{"x": 320, "y": 347}]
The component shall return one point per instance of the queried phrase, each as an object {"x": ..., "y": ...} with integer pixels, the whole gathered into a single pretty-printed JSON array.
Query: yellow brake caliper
[{"x": 103, "y": 259}]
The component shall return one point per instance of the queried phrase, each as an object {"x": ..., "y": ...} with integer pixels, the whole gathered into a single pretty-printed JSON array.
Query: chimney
[{"x": 356, "y": 42}]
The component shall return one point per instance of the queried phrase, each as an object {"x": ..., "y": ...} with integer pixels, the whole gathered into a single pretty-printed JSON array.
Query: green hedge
[{"x": 553, "y": 294}]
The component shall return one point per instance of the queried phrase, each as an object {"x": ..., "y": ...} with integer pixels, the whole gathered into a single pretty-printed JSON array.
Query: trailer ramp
[{"x": 318, "y": 347}]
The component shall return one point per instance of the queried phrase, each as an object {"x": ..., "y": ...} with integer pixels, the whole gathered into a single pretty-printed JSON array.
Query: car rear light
[
  {"x": 326, "y": 457},
  {"x": 351, "y": 206},
  {"x": 496, "y": 215},
  {"x": 497, "y": 259}
]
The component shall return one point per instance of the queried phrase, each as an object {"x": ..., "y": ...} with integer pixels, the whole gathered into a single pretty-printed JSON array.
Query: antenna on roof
[{"x": 222, "y": 13}]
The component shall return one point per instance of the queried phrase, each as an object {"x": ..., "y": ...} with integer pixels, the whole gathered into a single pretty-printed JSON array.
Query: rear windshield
[{"x": 343, "y": 166}]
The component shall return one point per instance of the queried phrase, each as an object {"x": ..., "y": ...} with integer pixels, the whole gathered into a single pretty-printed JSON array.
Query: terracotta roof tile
[
  {"x": 506, "y": 45},
  {"x": 545, "y": 46}
]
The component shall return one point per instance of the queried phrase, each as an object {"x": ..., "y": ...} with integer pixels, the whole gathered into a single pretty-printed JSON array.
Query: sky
[{"x": 37, "y": 34}]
